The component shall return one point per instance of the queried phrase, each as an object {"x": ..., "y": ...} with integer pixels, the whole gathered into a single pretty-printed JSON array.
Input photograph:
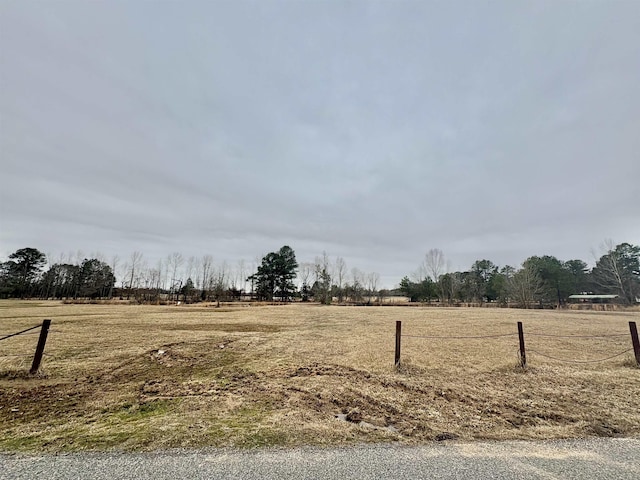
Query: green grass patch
[
  {"x": 139, "y": 411},
  {"x": 11, "y": 442},
  {"x": 245, "y": 427}
]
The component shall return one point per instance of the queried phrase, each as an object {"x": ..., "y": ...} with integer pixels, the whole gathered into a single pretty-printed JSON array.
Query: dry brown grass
[{"x": 146, "y": 377}]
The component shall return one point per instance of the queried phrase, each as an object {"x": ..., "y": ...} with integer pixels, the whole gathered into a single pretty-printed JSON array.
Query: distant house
[
  {"x": 590, "y": 298},
  {"x": 393, "y": 299}
]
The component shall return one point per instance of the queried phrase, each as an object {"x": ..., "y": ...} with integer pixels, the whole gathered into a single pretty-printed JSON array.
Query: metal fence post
[
  {"x": 634, "y": 339},
  {"x": 398, "y": 337},
  {"x": 523, "y": 353},
  {"x": 42, "y": 340}
]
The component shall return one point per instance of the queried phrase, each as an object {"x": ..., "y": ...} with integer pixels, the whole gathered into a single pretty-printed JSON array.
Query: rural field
[{"x": 151, "y": 377}]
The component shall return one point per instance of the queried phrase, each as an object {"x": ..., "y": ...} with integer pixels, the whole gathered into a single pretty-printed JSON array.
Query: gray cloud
[{"x": 371, "y": 130}]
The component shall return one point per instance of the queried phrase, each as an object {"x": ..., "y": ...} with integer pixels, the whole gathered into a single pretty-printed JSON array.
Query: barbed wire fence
[
  {"x": 522, "y": 350},
  {"x": 42, "y": 340}
]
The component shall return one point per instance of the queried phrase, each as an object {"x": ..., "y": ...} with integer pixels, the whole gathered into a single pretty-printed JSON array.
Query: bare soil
[{"x": 148, "y": 377}]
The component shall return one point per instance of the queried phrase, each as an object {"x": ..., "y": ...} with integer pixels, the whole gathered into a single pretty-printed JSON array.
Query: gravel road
[{"x": 598, "y": 458}]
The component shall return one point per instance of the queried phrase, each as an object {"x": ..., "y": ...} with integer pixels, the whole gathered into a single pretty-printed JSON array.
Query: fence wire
[
  {"x": 461, "y": 338},
  {"x": 529, "y": 350},
  {"x": 20, "y": 333},
  {"x": 576, "y": 336},
  {"x": 580, "y": 361}
]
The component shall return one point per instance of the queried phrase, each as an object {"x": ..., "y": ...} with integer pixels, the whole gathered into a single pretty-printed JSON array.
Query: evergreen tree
[
  {"x": 21, "y": 272},
  {"x": 275, "y": 275}
]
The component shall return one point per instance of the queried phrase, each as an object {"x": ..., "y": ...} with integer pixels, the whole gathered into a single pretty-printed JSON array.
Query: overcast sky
[{"x": 374, "y": 131}]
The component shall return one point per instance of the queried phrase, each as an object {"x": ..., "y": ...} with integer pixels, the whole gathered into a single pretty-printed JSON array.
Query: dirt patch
[{"x": 226, "y": 327}]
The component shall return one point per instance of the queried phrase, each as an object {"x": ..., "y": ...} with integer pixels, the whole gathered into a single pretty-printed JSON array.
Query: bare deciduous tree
[
  {"x": 133, "y": 268},
  {"x": 340, "y": 273},
  {"x": 190, "y": 268},
  {"x": 241, "y": 276},
  {"x": 114, "y": 269},
  {"x": 372, "y": 284},
  {"x": 304, "y": 273},
  {"x": 617, "y": 271},
  {"x": 434, "y": 264},
  {"x": 80, "y": 257},
  {"x": 174, "y": 262},
  {"x": 206, "y": 264},
  {"x": 219, "y": 281},
  {"x": 357, "y": 284},
  {"x": 323, "y": 278},
  {"x": 525, "y": 286}
]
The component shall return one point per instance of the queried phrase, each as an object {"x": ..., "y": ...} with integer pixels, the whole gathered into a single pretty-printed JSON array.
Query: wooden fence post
[
  {"x": 42, "y": 340},
  {"x": 634, "y": 339},
  {"x": 398, "y": 337},
  {"x": 523, "y": 353}
]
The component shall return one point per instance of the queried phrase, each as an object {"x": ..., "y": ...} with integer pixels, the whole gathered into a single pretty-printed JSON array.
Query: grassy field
[{"x": 148, "y": 377}]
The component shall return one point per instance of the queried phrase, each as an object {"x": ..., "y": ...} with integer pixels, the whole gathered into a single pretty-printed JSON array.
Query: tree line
[
  {"x": 540, "y": 280},
  {"x": 22, "y": 276},
  {"x": 28, "y": 273}
]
